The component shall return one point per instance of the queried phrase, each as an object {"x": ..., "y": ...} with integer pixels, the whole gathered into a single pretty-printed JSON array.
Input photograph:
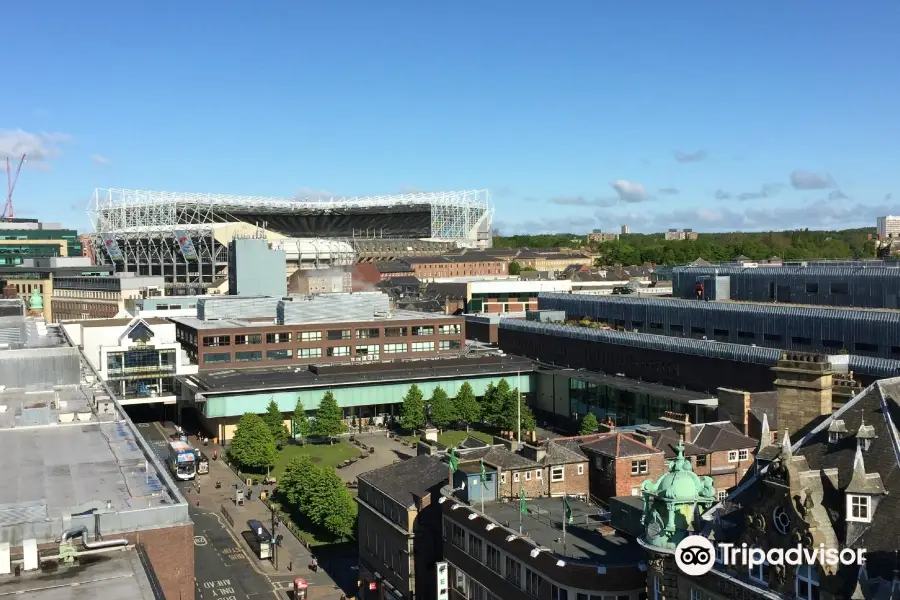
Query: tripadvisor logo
[{"x": 695, "y": 555}]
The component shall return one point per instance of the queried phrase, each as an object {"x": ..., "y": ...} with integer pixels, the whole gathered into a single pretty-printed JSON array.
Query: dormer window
[
  {"x": 834, "y": 437},
  {"x": 859, "y": 508}
]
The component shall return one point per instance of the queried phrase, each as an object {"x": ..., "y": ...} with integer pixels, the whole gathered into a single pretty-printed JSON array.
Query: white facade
[
  {"x": 888, "y": 227},
  {"x": 138, "y": 358}
]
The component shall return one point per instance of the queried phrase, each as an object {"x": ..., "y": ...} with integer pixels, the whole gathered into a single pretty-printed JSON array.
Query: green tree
[
  {"x": 275, "y": 422},
  {"x": 412, "y": 413},
  {"x": 300, "y": 420},
  {"x": 513, "y": 408},
  {"x": 443, "y": 411},
  {"x": 319, "y": 495},
  {"x": 492, "y": 403},
  {"x": 467, "y": 408},
  {"x": 329, "y": 418},
  {"x": 589, "y": 424},
  {"x": 515, "y": 268},
  {"x": 252, "y": 446}
]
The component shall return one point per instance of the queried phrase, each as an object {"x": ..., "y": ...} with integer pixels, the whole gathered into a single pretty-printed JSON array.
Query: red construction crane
[{"x": 8, "y": 210}]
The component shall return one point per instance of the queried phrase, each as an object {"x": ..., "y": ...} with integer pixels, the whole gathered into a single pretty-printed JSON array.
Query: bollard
[{"x": 291, "y": 566}]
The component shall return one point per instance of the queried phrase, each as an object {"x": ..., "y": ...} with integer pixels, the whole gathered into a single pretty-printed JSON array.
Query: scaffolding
[{"x": 464, "y": 217}]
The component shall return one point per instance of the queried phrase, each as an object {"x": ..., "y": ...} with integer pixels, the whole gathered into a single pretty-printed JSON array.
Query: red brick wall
[
  {"x": 719, "y": 460},
  {"x": 625, "y": 481}
]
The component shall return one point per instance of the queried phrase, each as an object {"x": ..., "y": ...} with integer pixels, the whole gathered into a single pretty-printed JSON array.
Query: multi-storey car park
[
  {"x": 184, "y": 237},
  {"x": 828, "y": 330}
]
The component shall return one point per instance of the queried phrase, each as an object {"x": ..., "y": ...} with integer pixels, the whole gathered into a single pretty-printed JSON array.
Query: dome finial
[{"x": 680, "y": 447}]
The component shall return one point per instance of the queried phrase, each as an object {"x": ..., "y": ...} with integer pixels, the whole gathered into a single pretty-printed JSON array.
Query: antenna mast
[{"x": 8, "y": 210}]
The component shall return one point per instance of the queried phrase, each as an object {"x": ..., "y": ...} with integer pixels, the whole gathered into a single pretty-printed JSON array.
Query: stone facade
[{"x": 803, "y": 383}]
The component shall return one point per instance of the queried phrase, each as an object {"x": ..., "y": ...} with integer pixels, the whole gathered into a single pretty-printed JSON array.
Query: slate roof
[
  {"x": 562, "y": 453},
  {"x": 874, "y": 410},
  {"x": 716, "y": 437},
  {"x": 408, "y": 479},
  {"x": 498, "y": 456},
  {"x": 765, "y": 403},
  {"x": 472, "y": 442},
  {"x": 667, "y": 439},
  {"x": 619, "y": 445}
]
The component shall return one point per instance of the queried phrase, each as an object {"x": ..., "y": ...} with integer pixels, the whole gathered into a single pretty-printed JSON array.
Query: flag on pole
[
  {"x": 483, "y": 472},
  {"x": 454, "y": 461},
  {"x": 568, "y": 509},
  {"x": 523, "y": 507}
]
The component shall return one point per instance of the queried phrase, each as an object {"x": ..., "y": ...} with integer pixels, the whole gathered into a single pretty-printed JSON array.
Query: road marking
[
  {"x": 143, "y": 424},
  {"x": 199, "y": 540},
  {"x": 237, "y": 543},
  {"x": 220, "y": 588}
]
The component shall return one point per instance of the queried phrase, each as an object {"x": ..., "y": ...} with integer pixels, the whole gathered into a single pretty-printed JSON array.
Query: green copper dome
[
  {"x": 36, "y": 302},
  {"x": 672, "y": 501}
]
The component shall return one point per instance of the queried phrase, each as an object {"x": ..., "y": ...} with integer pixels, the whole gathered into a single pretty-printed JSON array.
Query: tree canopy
[
  {"x": 300, "y": 420},
  {"x": 329, "y": 418},
  {"x": 253, "y": 445},
  {"x": 466, "y": 405},
  {"x": 319, "y": 495},
  {"x": 513, "y": 408},
  {"x": 443, "y": 411},
  {"x": 412, "y": 412},
  {"x": 275, "y": 422},
  {"x": 589, "y": 424},
  {"x": 492, "y": 403}
]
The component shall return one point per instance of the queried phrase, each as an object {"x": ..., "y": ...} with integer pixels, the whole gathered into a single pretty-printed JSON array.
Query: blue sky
[{"x": 576, "y": 115}]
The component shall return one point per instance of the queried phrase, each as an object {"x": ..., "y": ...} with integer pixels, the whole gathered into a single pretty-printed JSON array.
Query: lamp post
[
  {"x": 275, "y": 522},
  {"x": 519, "y": 405}
]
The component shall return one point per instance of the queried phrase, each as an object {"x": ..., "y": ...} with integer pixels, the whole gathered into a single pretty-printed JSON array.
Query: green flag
[
  {"x": 483, "y": 472},
  {"x": 523, "y": 507},
  {"x": 454, "y": 461},
  {"x": 568, "y": 509}
]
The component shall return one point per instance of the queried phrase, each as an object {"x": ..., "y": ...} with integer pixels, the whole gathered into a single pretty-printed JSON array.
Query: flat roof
[
  {"x": 117, "y": 574},
  {"x": 584, "y": 541},
  {"x": 633, "y": 385},
  {"x": 232, "y": 381},
  {"x": 395, "y": 315}
]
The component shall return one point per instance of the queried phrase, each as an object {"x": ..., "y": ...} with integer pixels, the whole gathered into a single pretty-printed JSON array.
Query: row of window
[
  {"x": 557, "y": 474},
  {"x": 505, "y": 566},
  {"x": 372, "y": 351},
  {"x": 285, "y": 337}
]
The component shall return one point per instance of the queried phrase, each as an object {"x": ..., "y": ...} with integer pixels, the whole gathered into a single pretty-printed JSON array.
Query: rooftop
[
  {"x": 113, "y": 575},
  {"x": 407, "y": 480},
  {"x": 633, "y": 385},
  {"x": 587, "y": 539},
  {"x": 396, "y": 315},
  {"x": 25, "y": 332},
  {"x": 272, "y": 378}
]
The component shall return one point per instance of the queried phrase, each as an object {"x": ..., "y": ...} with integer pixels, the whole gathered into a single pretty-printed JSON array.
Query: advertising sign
[
  {"x": 443, "y": 581},
  {"x": 112, "y": 248},
  {"x": 187, "y": 245}
]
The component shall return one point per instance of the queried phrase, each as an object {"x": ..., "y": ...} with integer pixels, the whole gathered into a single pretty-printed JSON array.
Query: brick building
[
  {"x": 463, "y": 265},
  {"x": 619, "y": 463},
  {"x": 398, "y": 529}
]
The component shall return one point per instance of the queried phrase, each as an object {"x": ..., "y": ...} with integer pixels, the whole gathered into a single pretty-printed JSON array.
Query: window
[
  {"x": 423, "y": 347},
  {"x": 836, "y": 344},
  {"x": 513, "y": 571},
  {"x": 720, "y": 333},
  {"x": 250, "y": 339},
  {"x": 475, "y": 546},
  {"x": 812, "y": 288},
  {"x": 492, "y": 558},
  {"x": 423, "y": 330},
  {"x": 801, "y": 341},
  {"x": 757, "y": 573},
  {"x": 283, "y": 354},
  {"x": 558, "y": 593},
  {"x": 527, "y": 475},
  {"x": 338, "y": 334},
  {"x": 216, "y": 357},
  {"x": 309, "y": 353},
  {"x": 283, "y": 337},
  {"x": 732, "y": 456},
  {"x": 657, "y": 326},
  {"x": 806, "y": 586},
  {"x": 676, "y": 328},
  {"x": 310, "y": 336},
  {"x": 366, "y": 334},
  {"x": 251, "y": 356},
  {"x": 557, "y": 474},
  {"x": 746, "y": 335},
  {"x": 515, "y": 478},
  {"x": 695, "y": 594},
  {"x": 395, "y": 348},
  {"x": 457, "y": 536},
  {"x": 216, "y": 340},
  {"x": 532, "y": 582},
  {"x": 743, "y": 454},
  {"x": 450, "y": 345},
  {"x": 771, "y": 337},
  {"x": 581, "y": 469},
  {"x": 859, "y": 509},
  {"x": 370, "y": 351},
  {"x": 454, "y": 329},
  {"x": 698, "y": 330},
  {"x": 840, "y": 287},
  {"x": 338, "y": 351},
  {"x": 721, "y": 495},
  {"x": 395, "y": 332},
  {"x": 502, "y": 477},
  {"x": 639, "y": 467},
  {"x": 701, "y": 460}
]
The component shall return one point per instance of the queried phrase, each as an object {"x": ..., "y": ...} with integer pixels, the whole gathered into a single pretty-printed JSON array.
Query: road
[{"x": 222, "y": 569}]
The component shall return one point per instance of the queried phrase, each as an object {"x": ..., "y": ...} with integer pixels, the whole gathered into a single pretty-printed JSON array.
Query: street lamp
[{"x": 275, "y": 522}]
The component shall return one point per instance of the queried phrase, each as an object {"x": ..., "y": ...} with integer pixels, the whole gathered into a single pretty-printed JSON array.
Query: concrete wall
[{"x": 255, "y": 269}]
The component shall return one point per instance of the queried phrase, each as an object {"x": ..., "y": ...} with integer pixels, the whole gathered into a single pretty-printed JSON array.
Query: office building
[
  {"x": 21, "y": 239},
  {"x": 87, "y": 489},
  {"x": 680, "y": 234},
  {"x": 399, "y": 529},
  {"x": 888, "y": 227},
  {"x": 626, "y": 229},
  {"x": 78, "y": 297},
  {"x": 597, "y": 235},
  {"x": 256, "y": 269}
]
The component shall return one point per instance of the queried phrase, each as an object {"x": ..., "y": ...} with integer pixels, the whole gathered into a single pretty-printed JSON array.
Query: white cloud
[
  {"x": 100, "y": 159},
  {"x": 37, "y": 147},
  {"x": 686, "y": 157},
  {"x": 630, "y": 191},
  {"x": 808, "y": 180}
]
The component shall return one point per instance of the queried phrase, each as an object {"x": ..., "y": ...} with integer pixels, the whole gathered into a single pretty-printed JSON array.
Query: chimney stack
[
  {"x": 680, "y": 422},
  {"x": 804, "y": 384}
]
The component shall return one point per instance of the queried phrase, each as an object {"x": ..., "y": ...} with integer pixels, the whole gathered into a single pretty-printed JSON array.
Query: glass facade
[
  {"x": 13, "y": 254},
  {"x": 141, "y": 372},
  {"x": 627, "y": 407}
]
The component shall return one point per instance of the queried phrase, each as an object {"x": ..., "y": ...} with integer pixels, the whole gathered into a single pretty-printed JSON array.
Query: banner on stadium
[
  {"x": 187, "y": 245},
  {"x": 112, "y": 248}
]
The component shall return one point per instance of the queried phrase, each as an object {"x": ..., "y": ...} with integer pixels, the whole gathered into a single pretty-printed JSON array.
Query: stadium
[{"x": 184, "y": 237}]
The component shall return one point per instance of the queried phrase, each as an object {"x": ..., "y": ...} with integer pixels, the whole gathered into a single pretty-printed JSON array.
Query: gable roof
[
  {"x": 408, "y": 479},
  {"x": 619, "y": 445},
  {"x": 716, "y": 437},
  {"x": 498, "y": 456}
]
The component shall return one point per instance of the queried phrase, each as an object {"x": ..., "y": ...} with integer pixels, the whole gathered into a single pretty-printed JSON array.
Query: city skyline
[{"x": 704, "y": 116}]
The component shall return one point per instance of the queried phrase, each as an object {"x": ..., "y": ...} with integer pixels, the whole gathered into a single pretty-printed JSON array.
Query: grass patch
[
  {"x": 326, "y": 455},
  {"x": 452, "y": 437}
]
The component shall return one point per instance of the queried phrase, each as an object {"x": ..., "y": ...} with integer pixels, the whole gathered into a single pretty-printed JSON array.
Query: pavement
[{"x": 226, "y": 566}]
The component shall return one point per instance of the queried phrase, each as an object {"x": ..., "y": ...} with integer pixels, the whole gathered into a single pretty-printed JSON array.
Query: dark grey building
[
  {"x": 876, "y": 286},
  {"x": 873, "y": 333}
]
